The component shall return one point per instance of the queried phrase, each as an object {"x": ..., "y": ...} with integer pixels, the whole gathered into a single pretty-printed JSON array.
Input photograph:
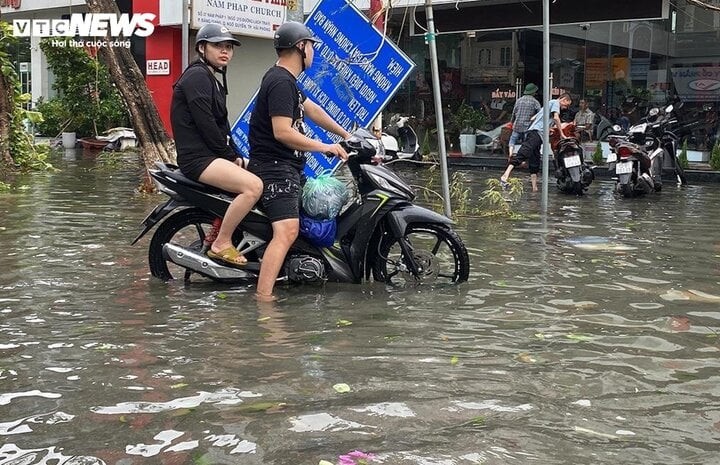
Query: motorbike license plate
[
  {"x": 623, "y": 168},
  {"x": 612, "y": 157},
  {"x": 572, "y": 161}
]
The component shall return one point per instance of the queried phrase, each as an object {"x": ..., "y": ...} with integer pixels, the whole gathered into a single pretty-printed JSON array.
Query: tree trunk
[
  {"x": 154, "y": 141},
  {"x": 7, "y": 107}
]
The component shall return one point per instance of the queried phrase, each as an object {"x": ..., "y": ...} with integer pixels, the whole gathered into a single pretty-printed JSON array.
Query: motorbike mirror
[
  {"x": 654, "y": 111},
  {"x": 669, "y": 108}
]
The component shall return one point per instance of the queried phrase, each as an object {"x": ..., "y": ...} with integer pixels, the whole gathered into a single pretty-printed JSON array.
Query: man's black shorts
[
  {"x": 529, "y": 151},
  {"x": 280, "y": 199}
]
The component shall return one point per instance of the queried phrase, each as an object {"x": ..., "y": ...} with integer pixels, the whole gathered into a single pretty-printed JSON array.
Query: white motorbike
[
  {"x": 489, "y": 141},
  {"x": 400, "y": 140}
]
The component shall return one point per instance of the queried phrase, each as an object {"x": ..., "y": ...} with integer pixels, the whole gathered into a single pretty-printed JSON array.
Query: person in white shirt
[
  {"x": 584, "y": 121},
  {"x": 530, "y": 149}
]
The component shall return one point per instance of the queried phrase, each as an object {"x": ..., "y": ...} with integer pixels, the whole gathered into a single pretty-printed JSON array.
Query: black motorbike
[
  {"x": 573, "y": 175},
  {"x": 639, "y": 157},
  {"x": 381, "y": 233}
]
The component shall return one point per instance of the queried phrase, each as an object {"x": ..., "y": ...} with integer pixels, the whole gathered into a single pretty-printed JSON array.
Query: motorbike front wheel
[
  {"x": 438, "y": 252},
  {"x": 187, "y": 228}
]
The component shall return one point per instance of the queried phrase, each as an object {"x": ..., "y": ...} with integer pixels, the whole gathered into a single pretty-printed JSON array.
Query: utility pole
[
  {"x": 376, "y": 8},
  {"x": 430, "y": 40},
  {"x": 547, "y": 90},
  {"x": 185, "y": 33}
]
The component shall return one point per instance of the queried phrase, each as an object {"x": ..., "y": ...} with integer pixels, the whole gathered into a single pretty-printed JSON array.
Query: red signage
[{"x": 11, "y": 3}]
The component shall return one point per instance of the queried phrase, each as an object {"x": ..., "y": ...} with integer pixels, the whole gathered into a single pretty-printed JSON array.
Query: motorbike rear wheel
[
  {"x": 626, "y": 190},
  {"x": 186, "y": 228},
  {"x": 437, "y": 251}
]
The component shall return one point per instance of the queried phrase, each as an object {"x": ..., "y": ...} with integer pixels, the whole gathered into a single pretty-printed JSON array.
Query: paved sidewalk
[{"x": 698, "y": 172}]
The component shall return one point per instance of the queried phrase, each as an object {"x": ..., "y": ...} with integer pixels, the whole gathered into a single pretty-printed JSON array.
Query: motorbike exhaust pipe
[{"x": 202, "y": 264}]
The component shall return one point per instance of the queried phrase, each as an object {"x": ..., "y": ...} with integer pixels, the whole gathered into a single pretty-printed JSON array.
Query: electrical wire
[
  {"x": 704, "y": 5},
  {"x": 693, "y": 17}
]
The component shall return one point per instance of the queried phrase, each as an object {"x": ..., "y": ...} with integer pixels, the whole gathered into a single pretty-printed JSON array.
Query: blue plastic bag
[{"x": 320, "y": 233}]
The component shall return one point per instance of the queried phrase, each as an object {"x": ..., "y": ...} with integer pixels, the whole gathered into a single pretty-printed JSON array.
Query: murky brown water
[{"x": 590, "y": 336}]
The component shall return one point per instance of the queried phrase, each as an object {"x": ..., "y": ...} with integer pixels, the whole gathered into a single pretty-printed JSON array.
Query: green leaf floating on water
[
  {"x": 343, "y": 323},
  {"x": 341, "y": 388},
  {"x": 262, "y": 406},
  {"x": 454, "y": 360},
  {"x": 222, "y": 296},
  {"x": 325, "y": 462}
]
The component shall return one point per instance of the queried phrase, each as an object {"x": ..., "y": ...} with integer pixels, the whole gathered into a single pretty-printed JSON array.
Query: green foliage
[
  {"x": 425, "y": 146},
  {"x": 88, "y": 101},
  {"x": 715, "y": 157},
  {"x": 493, "y": 202},
  {"x": 683, "y": 159},
  {"x": 465, "y": 119},
  {"x": 460, "y": 194},
  {"x": 24, "y": 152},
  {"x": 597, "y": 156},
  {"x": 55, "y": 117},
  {"x": 498, "y": 202}
]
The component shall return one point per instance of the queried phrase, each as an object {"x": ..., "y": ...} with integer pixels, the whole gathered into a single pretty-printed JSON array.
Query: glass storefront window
[{"x": 622, "y": 69}]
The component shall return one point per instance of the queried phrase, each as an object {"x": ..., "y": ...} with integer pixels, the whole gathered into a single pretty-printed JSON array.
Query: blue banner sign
[{"x": 355, "y": 73}]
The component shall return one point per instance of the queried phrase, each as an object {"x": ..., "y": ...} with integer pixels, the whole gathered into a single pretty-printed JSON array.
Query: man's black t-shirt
[
  {"x": 199, "y": 115},
  {"x": 279, "y": 95}
]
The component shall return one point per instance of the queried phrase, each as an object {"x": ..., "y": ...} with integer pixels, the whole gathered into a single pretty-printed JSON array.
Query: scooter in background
[
  {"x": 400, "y": 140},
  {"x": 640, "y": 157},
  {"x": 573, "y": 175},
  {"x": 489, "y": 140}
]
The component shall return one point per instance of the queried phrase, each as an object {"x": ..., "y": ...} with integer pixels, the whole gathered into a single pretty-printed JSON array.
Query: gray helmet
[
  {"x": 290, "y": 33},
  {"x": 215, "y": 33}
]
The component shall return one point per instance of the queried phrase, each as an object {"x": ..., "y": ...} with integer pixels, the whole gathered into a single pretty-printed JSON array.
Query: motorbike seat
[{"x": 173, "y": 172}]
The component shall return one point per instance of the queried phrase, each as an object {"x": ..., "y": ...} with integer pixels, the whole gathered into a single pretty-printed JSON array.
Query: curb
[{"x": 693, "y": 175}]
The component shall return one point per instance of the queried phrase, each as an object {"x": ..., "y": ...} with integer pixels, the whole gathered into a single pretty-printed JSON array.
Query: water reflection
[{"x": 589, "y": 336}]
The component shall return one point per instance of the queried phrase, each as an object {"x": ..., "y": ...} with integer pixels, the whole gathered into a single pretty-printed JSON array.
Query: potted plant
[
  {"x": 87, "y": 102},
  {"x": 464, "y": 121}
]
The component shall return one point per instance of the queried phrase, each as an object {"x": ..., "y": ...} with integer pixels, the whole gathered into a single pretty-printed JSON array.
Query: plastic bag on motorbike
[
  {"x": 320, "y": 233},
  {"x": 323, "y": 197}
]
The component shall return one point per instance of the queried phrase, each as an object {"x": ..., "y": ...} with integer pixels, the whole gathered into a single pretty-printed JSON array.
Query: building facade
[{"x": 621, "y": 67}]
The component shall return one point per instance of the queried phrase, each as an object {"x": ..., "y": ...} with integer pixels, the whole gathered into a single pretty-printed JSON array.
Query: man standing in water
[
  {"x": 278, "y": 144},
  {"x": 530, "y": 149}
]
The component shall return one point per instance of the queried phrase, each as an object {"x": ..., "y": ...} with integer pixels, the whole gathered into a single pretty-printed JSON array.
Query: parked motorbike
[
  {"x": 382, "y": 232},
  {"x": 400, "y": 140},
  {"x": 638, "y": 158},
  {"x": 574, "y": 176},
  {"x": 489, "y": 140}
]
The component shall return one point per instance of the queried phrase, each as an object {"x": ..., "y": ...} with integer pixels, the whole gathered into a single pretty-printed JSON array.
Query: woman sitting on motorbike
[{"x": 200, "y": 125}]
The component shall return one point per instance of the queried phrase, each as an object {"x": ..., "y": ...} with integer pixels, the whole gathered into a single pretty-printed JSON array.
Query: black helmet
[
  {"x": 290, "y": 33},
  {"x": 215, "y": 33}
]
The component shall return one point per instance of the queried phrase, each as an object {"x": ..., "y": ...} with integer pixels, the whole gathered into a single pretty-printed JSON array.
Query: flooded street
[{"x": 591, "y": 336}]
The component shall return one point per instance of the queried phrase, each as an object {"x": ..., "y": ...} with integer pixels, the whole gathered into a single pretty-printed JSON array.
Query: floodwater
[{"x": 590, "y": 336}]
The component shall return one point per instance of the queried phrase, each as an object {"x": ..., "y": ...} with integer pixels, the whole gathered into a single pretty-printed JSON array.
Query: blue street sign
[{"x": 355, "y": 73}]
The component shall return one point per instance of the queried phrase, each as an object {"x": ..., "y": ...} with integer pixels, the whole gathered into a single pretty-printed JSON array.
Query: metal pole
[
  {"x": 547, "y": 90},
  {"x": 430, "y": 40},
  {"x": 185, "y": 33}
]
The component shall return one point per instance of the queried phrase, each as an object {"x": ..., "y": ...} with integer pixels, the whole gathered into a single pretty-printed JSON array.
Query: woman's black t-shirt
[
  {"x": 279, "y": 95},
  {"x": 199, "y": 115}
]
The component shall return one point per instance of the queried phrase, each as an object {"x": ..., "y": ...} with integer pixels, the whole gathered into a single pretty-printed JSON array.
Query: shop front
[{"x": 622, "y": 68}]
